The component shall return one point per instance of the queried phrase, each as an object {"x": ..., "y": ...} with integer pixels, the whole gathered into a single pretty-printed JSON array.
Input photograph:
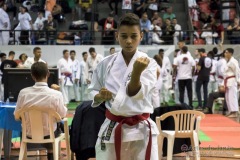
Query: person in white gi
[
  {"x": 92, "y": 62},
  {"x": 4, "y": 25},
  {"x": 37, "y": 58},
  {"x": 156, "y": 94},
  {"x": 84, "y": 96},
  {"x": 125, "y": 81},
  {"x": 65, "y": 66},
  {"x": 75, "y": 75},
  {"x": 231, "y": 82},
  {"x": 165, "y": 76},
  {"x": 25, "y": 22},
  {"x": 221, "y": 63}
]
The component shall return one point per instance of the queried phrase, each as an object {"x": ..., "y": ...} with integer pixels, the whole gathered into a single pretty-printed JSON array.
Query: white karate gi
[
  {"x": 29, "y": 62},
  {"x": 232, "y": 69},
  {"x": 4, "y": 35},
  {"x": 212, "y": 85},
  {"x": 83, "y": 76},
  {"x": 166, "y": 76},
  {"x": 156, "y": 93},
  {"x": 65, "y": 67},
  {"x": 91, "y": 65},
  {"x": 76, "y": 75},
  {"x": 221, "y": 63},
  {"x": 113, "y": 74}
]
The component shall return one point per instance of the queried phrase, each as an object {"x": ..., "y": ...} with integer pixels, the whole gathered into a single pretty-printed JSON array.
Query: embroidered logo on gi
[{"x": 128, "y": 78}]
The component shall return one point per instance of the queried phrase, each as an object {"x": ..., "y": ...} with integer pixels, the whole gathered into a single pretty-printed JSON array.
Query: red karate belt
[
  {"x": 226, "y": 79},
  {"x": 220, "y": 77},
  {"x": 129, "y": 121}
]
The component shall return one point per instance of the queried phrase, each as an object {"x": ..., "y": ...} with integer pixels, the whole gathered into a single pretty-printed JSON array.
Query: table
[{"x": 7, "y": 124}]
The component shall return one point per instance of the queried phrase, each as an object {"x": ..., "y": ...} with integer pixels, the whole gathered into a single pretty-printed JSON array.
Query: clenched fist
[
  {"x": 55, "y": 87},
  {"x": 105, "y": 94},
  {"x": 140, "y": 64}
]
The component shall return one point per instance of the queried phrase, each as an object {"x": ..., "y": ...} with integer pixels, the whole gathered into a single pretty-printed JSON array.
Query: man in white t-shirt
[
  {"x": 186, "y": 67},
  {"x": 37, "y": 58}
]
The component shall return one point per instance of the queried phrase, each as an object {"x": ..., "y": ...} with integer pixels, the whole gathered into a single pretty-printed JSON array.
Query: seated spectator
[
  {"x": 168, "y": 32},
  {"x": 145, "y": 24},
  {"x": 212, "y": 97},
  {"x": 233, "y": 31},
  {"x": 51, "y": 27},
  {"x": 152, "y": 7},
  {"x": 156, "y": 33},
  {"x": 193, "y": 9},
  {"x": 155, "y": 16},
  {"x": 218, "y": 27},
  {"x": 169, "y": 14},
  {"x": 38, "y": 24},
  {"x": 209, "y": 35},
  {"x": 109, "y": 25},
  {"x": 205, "y": 18},
  {"x": 40, "y": 95},
  {"x": 138, "y": 7},
  {"x": 126, "y": 6},
  {"x": 178, "y": 31}
]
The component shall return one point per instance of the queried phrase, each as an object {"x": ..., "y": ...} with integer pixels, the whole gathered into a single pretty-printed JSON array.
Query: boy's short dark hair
[
  {"x": 112, "y": 48},
  {"x": 91, "y": 49},
  {"x": 72, "y": 51},
  {"x": 202, "y": 50},
  {"x": 21, "y": 55},
  {"x": 64, "y": 51},
  {"x": 160, "y": 50},
  {"x": 230, "y": 50},
  {"x": 84, "y": 53},
  {"x": 39, "y": 70},
  {"x": 184, "y": 49},
  {"x": 177, "y": 50},
  {"x": 35, "y": 49},
  {"x": 11, "y": 53},
  {"x": 2, "y": 55},
  {"x": 129, "y": 19}
]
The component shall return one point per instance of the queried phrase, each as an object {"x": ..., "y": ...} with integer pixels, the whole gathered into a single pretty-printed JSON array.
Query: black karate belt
[{"x": 108, "y": 135}]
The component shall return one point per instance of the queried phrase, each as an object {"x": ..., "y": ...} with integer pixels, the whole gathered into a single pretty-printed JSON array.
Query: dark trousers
[
  {"x": 116, "y": 5},
  {"x": 199, "y": 85},
  {"x": 214, "y": 95},
  {"x": 182, "y": 84}
]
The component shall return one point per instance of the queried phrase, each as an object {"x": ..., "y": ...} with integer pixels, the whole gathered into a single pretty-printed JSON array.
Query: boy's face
[
  {"x": 129, "y": 38},
  {"x": 37, "y": 53},
  {"x": 72, "y": 55}
]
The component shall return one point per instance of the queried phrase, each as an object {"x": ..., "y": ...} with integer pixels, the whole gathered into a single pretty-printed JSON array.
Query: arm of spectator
[
  {"x": 96, "y": 26},
  {"x": 222, "y": 37}
]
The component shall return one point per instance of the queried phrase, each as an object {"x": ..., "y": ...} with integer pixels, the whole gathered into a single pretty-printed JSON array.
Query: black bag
[{"x": 82, "y": 27}]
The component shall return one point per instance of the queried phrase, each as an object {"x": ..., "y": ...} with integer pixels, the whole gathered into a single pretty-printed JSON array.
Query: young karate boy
[{"x": 125, "y": 82}]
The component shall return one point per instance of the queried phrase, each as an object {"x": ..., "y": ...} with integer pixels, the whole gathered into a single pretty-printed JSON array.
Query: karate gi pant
[
  {"x": 65, "y": 91},
  {"x": 231, "y": 96},
  {"x": 85, "y": 95},
  {"x": 4, "y": 38},
  {"x": 164, "y": 92},
  {"x": 212, "y": 86},
  {"x": 74, "y": 92},
  {"x": 133, "y": 150}
]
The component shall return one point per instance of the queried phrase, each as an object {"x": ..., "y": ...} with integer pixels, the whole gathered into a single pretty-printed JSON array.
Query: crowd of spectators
[{"x": 158, "y": 22}]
